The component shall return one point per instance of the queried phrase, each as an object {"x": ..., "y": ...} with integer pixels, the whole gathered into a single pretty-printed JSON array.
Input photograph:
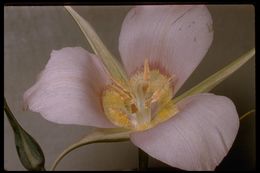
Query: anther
[{"x": 146, "y": 69}]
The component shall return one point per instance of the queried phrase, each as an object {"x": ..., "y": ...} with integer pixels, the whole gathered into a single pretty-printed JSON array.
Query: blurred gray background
[{"x": 31, "y": 33}]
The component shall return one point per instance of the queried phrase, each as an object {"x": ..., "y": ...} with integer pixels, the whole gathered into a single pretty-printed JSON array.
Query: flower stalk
[{"x": 143, "y": 160}]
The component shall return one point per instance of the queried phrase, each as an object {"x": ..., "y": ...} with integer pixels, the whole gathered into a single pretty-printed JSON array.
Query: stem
[{"x": 143, "y": 160}]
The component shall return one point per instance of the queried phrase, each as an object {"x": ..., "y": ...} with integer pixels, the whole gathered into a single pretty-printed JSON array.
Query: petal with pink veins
[
  {"x": 68, "y": 90},
  {"x": 197, "y": 138},
  {"x": 175, "y": 37}
]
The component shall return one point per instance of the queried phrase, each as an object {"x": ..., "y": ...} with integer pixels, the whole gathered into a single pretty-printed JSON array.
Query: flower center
[{"x": 143, "y": 103}]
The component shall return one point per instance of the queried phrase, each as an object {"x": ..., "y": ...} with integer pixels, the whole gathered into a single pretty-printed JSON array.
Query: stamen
[
  {"x": 142, "y": 102},
  {"x": 145, "y": 87},
  {"x": 146, "y": 70},
  {"x": 124, "y": 94},
  {"x": 120, "y": 86},
  {"x": 133, "y": 108},
  {"x": 157, "y": 94},
  {"x": 172, "y": 78}
]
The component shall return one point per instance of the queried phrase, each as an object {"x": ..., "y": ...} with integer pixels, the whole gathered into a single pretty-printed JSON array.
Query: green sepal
[
  {"x": 218, "y": 77},
  {"x": 97, "y": 136},
  {"x": 112, "y": 65}
]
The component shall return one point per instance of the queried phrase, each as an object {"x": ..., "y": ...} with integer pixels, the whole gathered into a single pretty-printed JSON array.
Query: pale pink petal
[
  {"x": 175, "y": 36},
  {"x": 197, "y": 138},
  {"x": 68, "y": 90}
]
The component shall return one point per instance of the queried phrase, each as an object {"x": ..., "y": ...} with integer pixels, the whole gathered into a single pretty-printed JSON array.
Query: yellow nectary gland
[{"x": 144, "y": 103}]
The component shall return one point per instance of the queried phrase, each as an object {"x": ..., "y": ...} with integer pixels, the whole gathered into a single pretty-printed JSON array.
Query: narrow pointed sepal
[
  {"x": 113, "y": 67},
  {"x": 218, "y": 77},
  {"x": 97, "y": 136}
]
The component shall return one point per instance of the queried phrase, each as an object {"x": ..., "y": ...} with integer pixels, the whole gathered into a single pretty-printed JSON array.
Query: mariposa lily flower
[{"x": 160, "y": 47}]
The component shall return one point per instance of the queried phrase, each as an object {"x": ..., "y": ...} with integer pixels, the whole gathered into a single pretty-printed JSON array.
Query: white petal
[
  {"x": 68, "y": 90},
  {"x": 197, "y": 138},
  {"x": 176, "y": 37}
]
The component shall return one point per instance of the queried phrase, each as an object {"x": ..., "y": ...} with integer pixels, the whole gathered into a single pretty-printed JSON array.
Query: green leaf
[
  {"x": 29, "y": 151},
  {"x": 215, "y": 79},
  {"x": 112, "y": 65},
  {"x": 97, "y": 136}
]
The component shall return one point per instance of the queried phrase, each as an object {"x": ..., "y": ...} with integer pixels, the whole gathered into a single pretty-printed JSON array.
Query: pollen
[{"x": 143, "y": 103}]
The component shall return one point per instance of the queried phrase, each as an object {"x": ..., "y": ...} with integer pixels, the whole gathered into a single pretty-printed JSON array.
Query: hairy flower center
[{"x": 144, "y": 103}]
